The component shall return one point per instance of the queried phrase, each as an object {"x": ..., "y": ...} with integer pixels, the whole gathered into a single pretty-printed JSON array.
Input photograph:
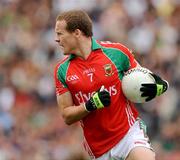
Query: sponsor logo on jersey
[
  {"x": 108, "y": 69},
  {"x": 83, "y": 97}
]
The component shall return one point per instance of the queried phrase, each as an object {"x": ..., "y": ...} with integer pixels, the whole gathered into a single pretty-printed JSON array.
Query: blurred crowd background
[{"x": 31, "y": 127}]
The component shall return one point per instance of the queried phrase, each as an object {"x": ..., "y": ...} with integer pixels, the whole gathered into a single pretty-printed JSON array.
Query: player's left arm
[{"x": 148, "y": 90}]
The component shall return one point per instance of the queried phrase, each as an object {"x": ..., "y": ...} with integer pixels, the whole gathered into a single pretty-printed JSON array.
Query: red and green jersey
[{"x": 105, "y": 65}]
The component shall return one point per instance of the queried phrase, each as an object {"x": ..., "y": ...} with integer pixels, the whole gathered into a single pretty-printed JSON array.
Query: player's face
[{"x": 66, "y": 40}]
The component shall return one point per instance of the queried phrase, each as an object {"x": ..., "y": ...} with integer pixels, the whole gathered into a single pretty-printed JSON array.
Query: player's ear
[{"x": 77, "y": 32}]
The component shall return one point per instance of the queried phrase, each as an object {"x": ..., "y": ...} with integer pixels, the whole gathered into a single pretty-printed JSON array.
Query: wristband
[
  {"x": 97, "y": 101},
  {"x": 159, "y": 89}
]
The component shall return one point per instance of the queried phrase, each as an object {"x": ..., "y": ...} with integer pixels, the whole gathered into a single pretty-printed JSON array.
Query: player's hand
[
  {"x": 151, "y": 90},
  {"x": 100, "y": 99}
]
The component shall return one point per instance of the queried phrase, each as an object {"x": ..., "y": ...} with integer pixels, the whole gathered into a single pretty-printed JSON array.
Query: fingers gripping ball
[
  {"x": 132, "y": 82},
  {"x": 150, "y": 90}
]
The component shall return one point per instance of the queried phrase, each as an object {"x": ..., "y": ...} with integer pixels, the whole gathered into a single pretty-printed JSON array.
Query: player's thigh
[{"x": 141, "y": 153}]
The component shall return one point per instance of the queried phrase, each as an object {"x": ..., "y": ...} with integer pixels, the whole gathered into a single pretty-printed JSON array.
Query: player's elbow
[
  {"x": 68, "y": 122},
  {"x": 68, "y": 119}
]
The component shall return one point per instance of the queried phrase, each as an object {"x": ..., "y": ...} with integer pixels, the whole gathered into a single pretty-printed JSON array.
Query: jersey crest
[{"x": 108, "y": 69}]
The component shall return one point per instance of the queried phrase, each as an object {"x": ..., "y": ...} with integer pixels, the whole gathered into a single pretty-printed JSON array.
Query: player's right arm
[{"x": 69, "y": 112}]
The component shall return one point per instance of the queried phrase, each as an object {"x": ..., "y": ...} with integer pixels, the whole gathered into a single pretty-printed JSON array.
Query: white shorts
[{"x": 135, "y": 137}]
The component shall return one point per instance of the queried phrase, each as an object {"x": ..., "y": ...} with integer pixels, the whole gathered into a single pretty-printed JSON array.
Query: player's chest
[{"x": 91, "y": 74}]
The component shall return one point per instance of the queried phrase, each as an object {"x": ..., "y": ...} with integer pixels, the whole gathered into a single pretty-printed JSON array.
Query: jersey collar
[{"x": 94, "y": 46}]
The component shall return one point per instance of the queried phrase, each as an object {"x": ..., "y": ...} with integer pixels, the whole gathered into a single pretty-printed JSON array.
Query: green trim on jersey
[
  {"x": 62, "y": 71},
  {"x": 118, "y": 58},
  {"x": 95, "y": 45}
]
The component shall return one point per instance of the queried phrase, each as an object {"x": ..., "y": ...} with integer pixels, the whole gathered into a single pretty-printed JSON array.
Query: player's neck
[{"x": 84, "y": 48}]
